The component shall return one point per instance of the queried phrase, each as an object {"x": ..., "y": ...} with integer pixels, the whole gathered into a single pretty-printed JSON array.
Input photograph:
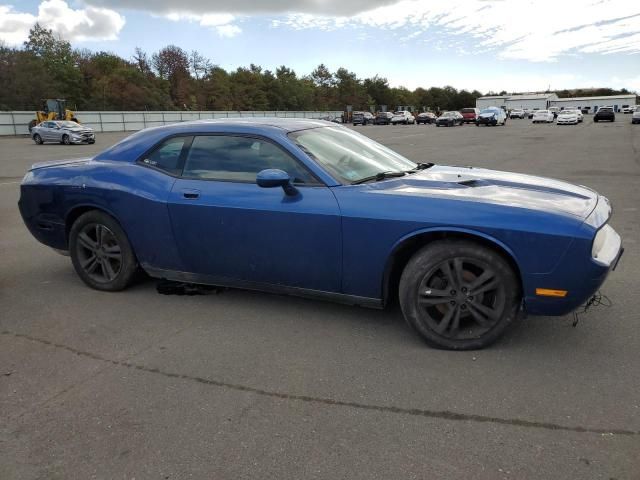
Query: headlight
[
  {"x": 606, "y": 246},
  {"x": 600, "y": 214},
  {"x": 28, "y": 177}
]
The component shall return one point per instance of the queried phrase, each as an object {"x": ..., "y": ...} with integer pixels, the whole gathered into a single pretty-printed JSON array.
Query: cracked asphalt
[{"x": 249, "y": 385}]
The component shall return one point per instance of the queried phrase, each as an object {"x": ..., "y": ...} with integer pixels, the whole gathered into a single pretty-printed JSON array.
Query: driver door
[
  {"x": 48, "y": 132},
  {"x": 233, "y": 232}
]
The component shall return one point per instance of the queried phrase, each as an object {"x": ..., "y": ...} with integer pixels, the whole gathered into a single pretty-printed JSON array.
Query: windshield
[
  {"x": 348, "y": 155},
  {"x": 448, "y": 114},
  {"x": 542, "y": 111},
  {"x": 489, "y": 110},
  {"x": 399, "y": 113}
]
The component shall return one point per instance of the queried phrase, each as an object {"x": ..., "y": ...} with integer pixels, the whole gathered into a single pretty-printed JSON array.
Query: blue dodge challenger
[{"x": 309, "y": 208}]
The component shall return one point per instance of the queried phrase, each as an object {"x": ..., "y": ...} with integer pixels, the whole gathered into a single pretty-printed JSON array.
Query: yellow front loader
[{"x": 53, "y": 109}]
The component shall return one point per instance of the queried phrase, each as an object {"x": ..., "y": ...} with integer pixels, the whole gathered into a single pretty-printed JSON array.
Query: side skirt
[{"x": 216, "y": 281}]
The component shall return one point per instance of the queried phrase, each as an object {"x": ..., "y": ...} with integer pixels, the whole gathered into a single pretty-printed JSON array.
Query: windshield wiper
[{"x": 379, "y": 176}]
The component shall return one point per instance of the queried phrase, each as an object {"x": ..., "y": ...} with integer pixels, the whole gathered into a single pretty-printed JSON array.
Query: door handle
[{"x": 191, "y": 194}]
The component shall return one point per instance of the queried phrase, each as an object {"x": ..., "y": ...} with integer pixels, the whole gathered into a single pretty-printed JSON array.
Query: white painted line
[{"x": 9, "y": 183}]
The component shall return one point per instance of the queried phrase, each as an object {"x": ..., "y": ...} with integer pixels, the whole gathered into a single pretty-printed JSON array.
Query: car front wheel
[
  {"x": 101, "y": 253},
  {"x": 459, "y": 295},
  {"x": 66, "y": 140},
  {"x": 38, "y": 139}
]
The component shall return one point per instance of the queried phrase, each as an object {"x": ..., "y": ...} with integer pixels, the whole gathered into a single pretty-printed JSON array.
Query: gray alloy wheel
[
  {"x": 38, "y": 139},
  {"x": 101, "y": 253},
  {"x": 66, "y": 140},
  {"x": 459, "y": 295}
]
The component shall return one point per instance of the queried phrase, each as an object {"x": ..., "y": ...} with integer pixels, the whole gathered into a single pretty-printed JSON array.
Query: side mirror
[{"x": 273, "y": 177}]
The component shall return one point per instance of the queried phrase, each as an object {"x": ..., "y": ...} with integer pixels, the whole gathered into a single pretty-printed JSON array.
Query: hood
[
  {"x": 494, "y": 187},
  {"x": 487, "y": 114},
  {"x": 79, "y": 129}
]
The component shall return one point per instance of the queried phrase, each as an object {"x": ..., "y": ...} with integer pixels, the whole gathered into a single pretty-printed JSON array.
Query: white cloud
[
  {"x": 222, "y": 23},
  {"x": 249, "y": 7},
  {"x": 85, "y": 24},
  {"x": 228, "y": 30},
  {"x": 540, "y": 30}
]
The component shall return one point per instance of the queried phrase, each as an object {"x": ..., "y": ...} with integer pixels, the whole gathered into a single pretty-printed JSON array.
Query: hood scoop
[
  {"x": 481, "y": 182},
  {"x": 475, "y": 182}
]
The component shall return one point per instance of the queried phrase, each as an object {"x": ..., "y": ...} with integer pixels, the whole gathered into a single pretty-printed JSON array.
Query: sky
[{"x": 488, "y": 45}]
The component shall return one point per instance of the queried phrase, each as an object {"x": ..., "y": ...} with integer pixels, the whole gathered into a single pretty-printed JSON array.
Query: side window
[
  {"x": 239, "y": 159},
  {"x": 167, "y": 156}
]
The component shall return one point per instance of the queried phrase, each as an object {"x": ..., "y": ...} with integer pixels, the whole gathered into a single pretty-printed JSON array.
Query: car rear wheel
[
  {"x": 38, "y": 139},
  {"x": 101, "y": 253},
  {"x": 459, "y": 295}
]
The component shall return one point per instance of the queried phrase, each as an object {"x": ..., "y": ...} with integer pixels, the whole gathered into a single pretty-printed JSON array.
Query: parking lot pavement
[{"x": 250, "y": 385}]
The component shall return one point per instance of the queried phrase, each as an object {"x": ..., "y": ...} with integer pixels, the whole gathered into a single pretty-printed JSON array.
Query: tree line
[{"x": 174, "y": 79}]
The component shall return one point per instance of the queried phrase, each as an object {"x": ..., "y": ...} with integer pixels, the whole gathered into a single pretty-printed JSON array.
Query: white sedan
[
  {"x": 568, "y": 117},
  {"x": 543, "y": 116}
]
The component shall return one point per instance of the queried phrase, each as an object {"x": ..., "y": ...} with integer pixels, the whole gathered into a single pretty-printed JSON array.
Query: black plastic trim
[{"x": 218, "y": 281}]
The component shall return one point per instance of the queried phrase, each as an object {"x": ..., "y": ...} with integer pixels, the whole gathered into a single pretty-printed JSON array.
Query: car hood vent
[{"x": 475, "y": 182}]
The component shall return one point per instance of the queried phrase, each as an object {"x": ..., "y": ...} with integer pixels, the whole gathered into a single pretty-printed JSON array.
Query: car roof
[{"x": 135, "y": 145}]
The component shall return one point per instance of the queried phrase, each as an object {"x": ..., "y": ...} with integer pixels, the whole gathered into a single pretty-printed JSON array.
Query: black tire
[
  {"x": 459, "y": 295},
  {"x": 38, "y": 139},
  {"x": 101, "y": 253},
  {"x": 66, "y": 140}
]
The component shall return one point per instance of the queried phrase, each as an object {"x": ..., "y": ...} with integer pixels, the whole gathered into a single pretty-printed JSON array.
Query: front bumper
[
  {"x": 80, "y": 139},
  {"x": 578, "y": 273},
  {"x": 486, "y": 121}
]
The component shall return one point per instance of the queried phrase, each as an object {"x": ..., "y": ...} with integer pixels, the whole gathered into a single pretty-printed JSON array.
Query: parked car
[
  {"x": 492, "y": 116},
  {"x": 543, "y": 116},
  {"x": 383, "y": 118},
  {"x": 362, "y": 118},
  {"x": 288, "y": 206},
  {"x": 636, "y": 116},
  {"x": 62, "y": 131},
  {"x": 517, "y": 113},
  {"x": 628, "y": 110},
  {"x": 331, "y": 118},
  {"x": 568, "y": 117},
  {"x": 605, "y": 113},
  {"x": 426, "y": 118},
  {"x": 470, "y": 114},
  {"x": 580, "y": 115},
  {"x": 403, "y": 116},
  {"x": 449, "y": 119}
]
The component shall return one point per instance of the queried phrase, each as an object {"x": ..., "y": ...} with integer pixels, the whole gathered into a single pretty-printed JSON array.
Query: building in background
[
  {"x": 592, "y": 104},
  {"x": 527, "y": 101},
  {"x": 542, "y": 101}
]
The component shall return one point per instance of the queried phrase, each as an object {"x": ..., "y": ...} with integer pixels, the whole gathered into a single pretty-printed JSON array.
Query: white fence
[{"x": 17, "y": 123}]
